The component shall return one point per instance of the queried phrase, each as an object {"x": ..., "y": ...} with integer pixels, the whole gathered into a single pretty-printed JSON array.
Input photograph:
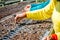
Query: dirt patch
[
  {"x": 33, "y": 32},
  {"x": 12, "y": 9}
]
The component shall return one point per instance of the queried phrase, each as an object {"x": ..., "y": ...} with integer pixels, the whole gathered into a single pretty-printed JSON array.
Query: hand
[
  {"x": 23, "y": 15},
  {"x": 47, "y": 38},
  {"x": 19, "y": 17}
]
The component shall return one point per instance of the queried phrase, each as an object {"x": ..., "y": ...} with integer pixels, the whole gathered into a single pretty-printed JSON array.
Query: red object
[
  {"x": 54, "y": 37},
  {"x": 28, "y": 7}
]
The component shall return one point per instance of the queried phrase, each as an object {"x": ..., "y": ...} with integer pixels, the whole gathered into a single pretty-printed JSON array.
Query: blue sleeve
[
  {"x": 39, "y": 6},
  {"x": 36, "y": 7}
]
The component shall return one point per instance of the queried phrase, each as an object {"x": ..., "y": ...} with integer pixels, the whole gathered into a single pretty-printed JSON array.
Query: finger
[
  {"x": 45, "y": 38},
  {"x": 48, "y": 38},
  {"x": 16, "y": 18}
]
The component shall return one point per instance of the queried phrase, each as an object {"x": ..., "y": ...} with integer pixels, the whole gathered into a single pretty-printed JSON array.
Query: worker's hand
[
  {"x": 23, "y": 15},
  {"x": 47, "y": 38},
  {"x": 27, "y": 8},
  {"x": 19, "y": 17}
]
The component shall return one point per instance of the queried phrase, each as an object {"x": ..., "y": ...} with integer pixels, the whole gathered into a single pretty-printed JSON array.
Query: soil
[
  {"x": 28, "y": 32},
  {"x": 34, "y": 32},
  {"x": 12, "y": 9}
]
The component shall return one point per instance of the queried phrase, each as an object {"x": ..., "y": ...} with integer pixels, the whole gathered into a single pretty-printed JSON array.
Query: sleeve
[
  {"x": 41, "y": 14},
  {"x": 33, "y": 5},
  {"x": 36, "y": 6},
  {"x": 39, "y": 6}
]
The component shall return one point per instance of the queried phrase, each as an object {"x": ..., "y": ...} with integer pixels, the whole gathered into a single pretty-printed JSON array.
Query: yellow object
[
  {"x": 56, "y": 19},
  {"x": 42, "y": 14}
]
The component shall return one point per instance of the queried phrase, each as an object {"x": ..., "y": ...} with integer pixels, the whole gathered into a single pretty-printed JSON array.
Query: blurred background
[{"x": 8, "y": 2}]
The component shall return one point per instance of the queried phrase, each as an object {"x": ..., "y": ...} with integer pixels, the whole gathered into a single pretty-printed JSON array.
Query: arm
[{"x": 41, "y": 14}]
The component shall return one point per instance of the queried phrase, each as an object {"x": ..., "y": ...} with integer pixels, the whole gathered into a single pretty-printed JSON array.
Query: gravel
[{"x": 27, "y": 29}]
